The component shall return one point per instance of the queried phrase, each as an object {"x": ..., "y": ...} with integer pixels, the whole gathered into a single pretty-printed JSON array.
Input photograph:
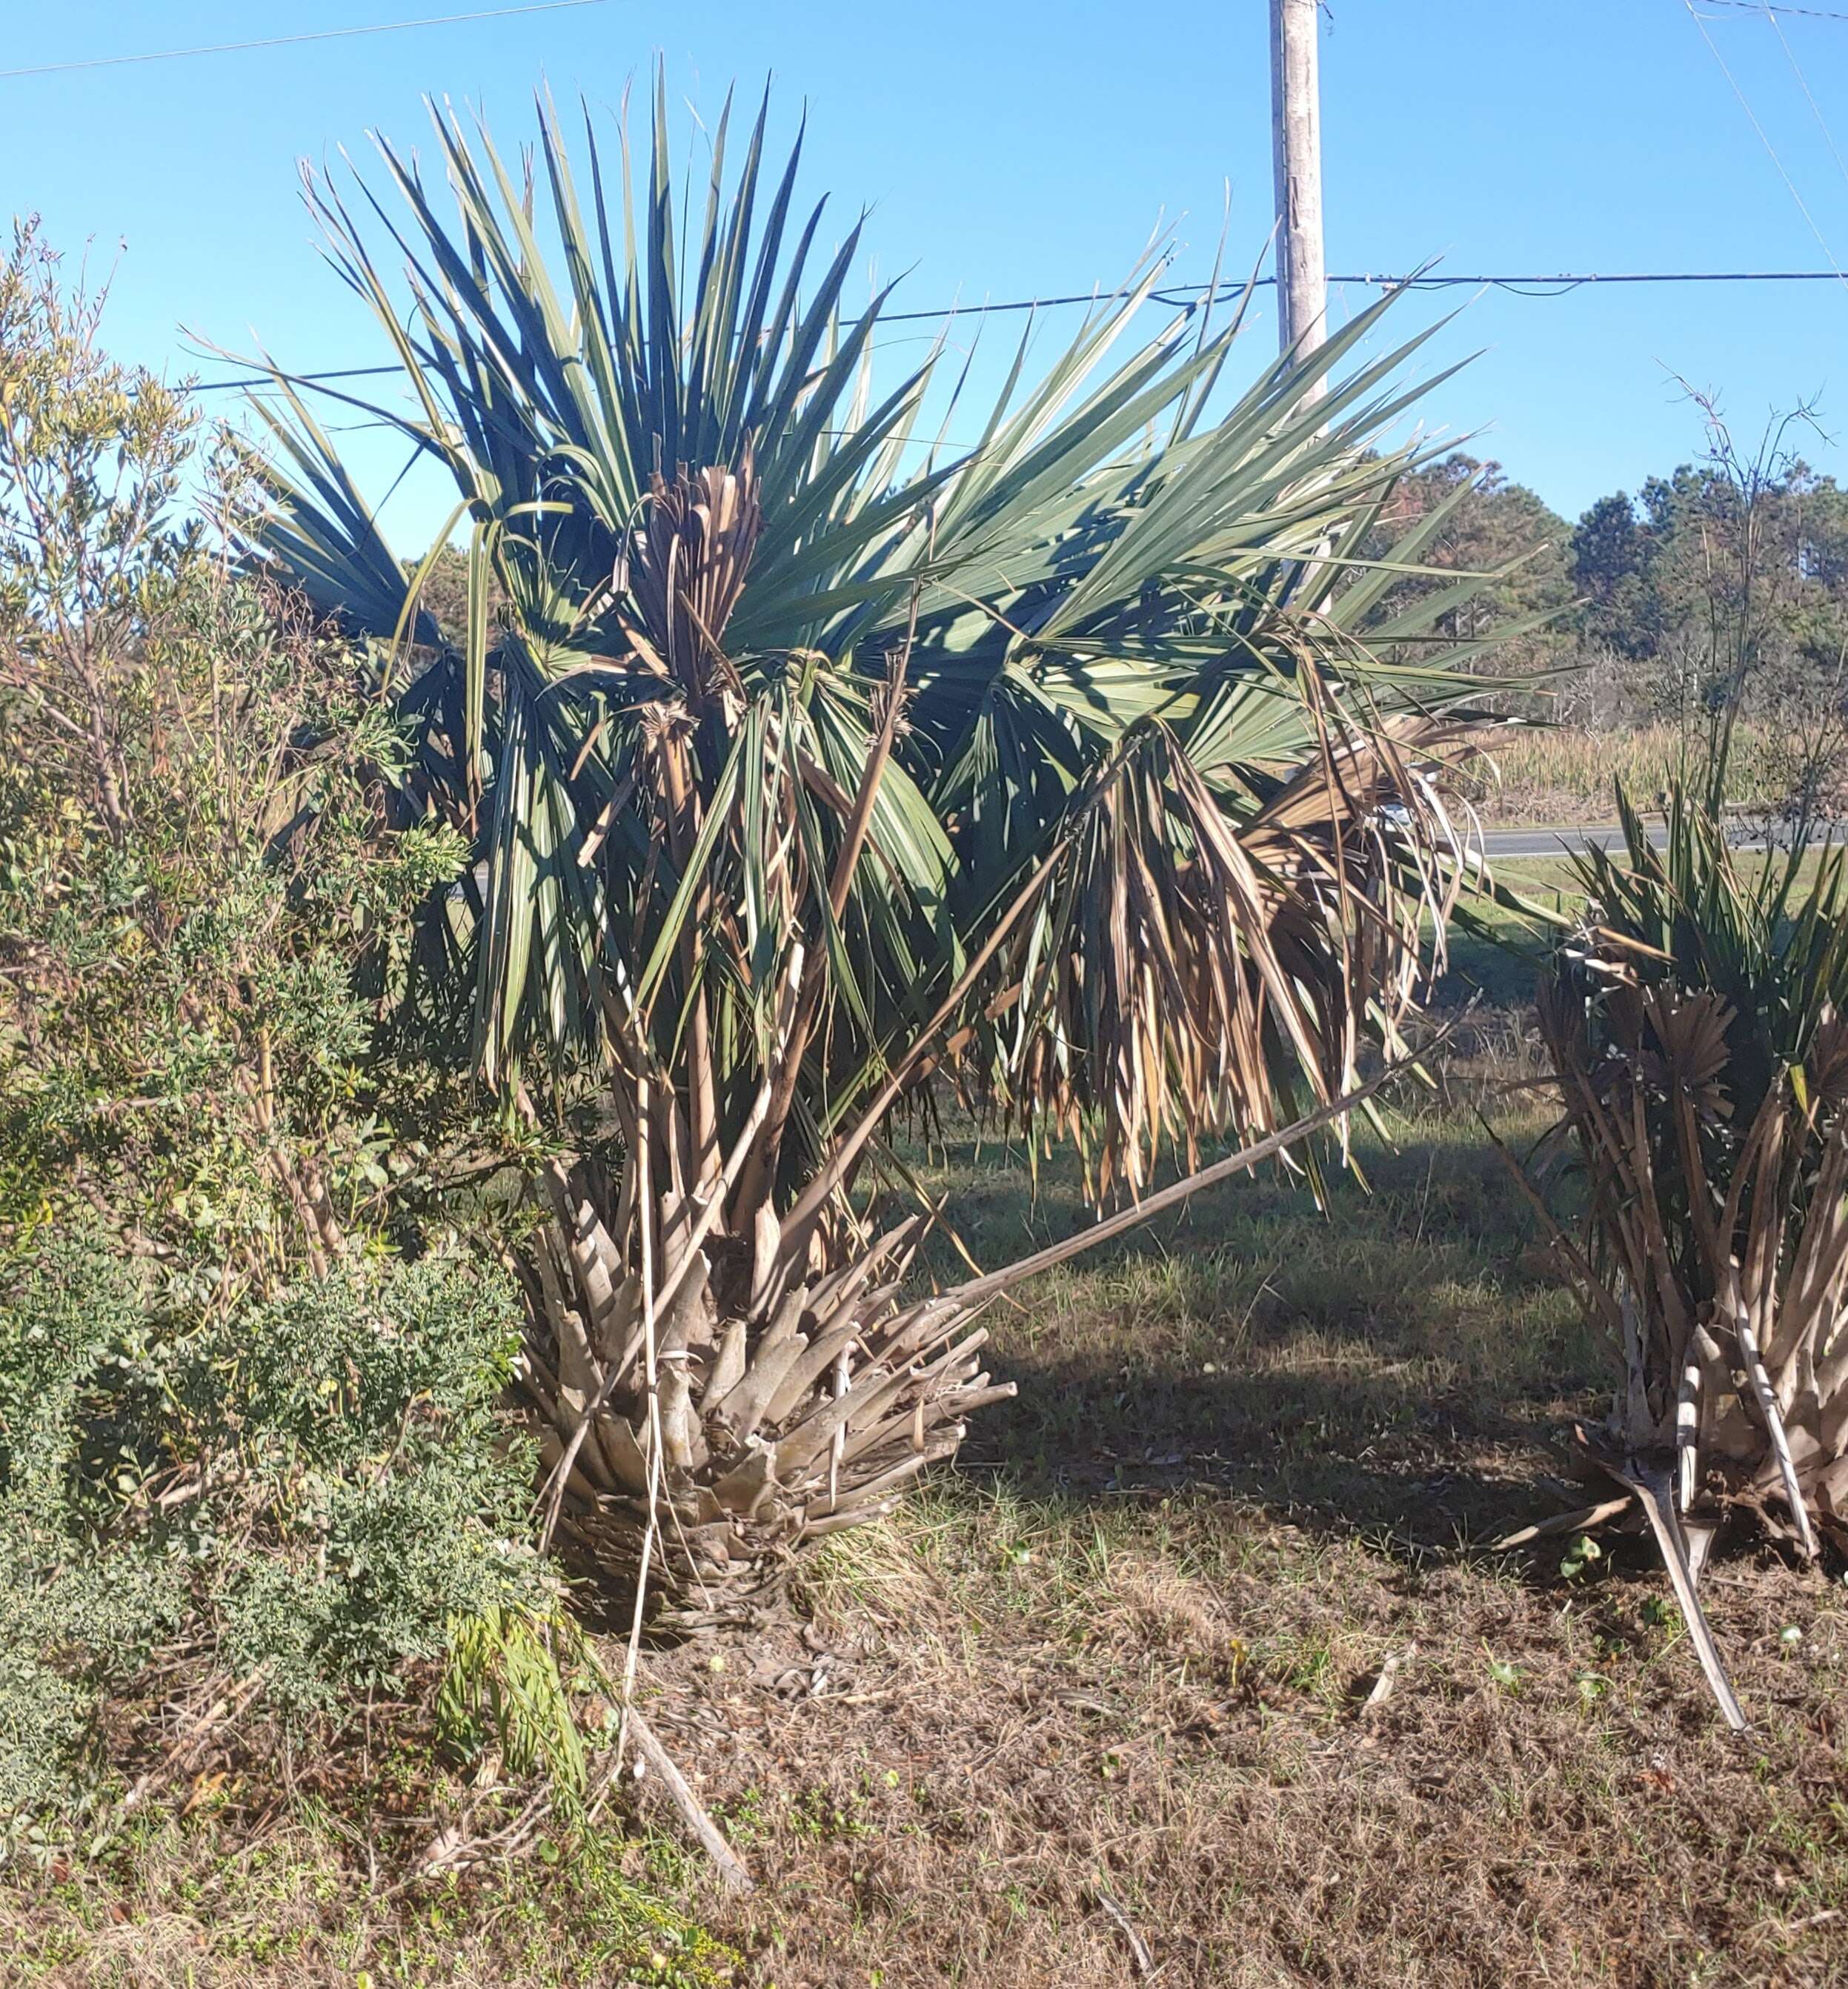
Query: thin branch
[{"x": 977, "y": 1291}]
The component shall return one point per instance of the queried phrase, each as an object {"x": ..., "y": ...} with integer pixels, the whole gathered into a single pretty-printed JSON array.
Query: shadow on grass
[{"x": 1397, "y": 1364}]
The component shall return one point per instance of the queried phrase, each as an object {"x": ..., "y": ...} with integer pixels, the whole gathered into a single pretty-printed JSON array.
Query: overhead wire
[
  {"x": 291, "y": 41},
  {"x": 1796, "y": 69},
  {"x": 1543, "y": 287},
  {"x": 1758, "y": 7},
  {"x": 1765, "y": 138}
]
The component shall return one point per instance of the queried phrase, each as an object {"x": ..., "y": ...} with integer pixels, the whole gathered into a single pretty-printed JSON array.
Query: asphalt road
[{"x": 1567, "y": 842}]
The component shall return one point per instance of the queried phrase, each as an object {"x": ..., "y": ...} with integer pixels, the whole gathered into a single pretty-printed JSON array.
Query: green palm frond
[{"x": 769, "y": 669}]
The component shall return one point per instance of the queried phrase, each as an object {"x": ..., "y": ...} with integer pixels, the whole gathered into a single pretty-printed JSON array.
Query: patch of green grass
[{"x": 1275, "y": 1349}]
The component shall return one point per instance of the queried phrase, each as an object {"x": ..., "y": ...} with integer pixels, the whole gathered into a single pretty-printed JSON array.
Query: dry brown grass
[
  {"x": 1169, "y": 1706},
  {"x": 1569, "y": 775},
  {"x": 1127, "y": 1651}
]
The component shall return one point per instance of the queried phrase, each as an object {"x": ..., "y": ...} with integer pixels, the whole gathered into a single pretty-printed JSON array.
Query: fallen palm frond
[{"x": 1695, "y": 1026}]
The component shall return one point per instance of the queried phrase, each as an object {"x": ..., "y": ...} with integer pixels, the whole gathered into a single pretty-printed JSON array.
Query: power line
[
  {"x": 1764, "y": 138},
  {"x": 289, "y": 41},
  {"x": 1809, "y": 95},
  {"x": 1543, "y": 287},
  {"x": 1758, "y": 7}
]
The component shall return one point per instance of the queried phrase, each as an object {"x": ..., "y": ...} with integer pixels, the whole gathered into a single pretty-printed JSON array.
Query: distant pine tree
[{"x": 1497, "y": 526}]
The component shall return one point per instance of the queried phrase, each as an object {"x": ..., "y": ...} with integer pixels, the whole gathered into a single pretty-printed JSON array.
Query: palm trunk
[{"x": 713, "y": 1454}]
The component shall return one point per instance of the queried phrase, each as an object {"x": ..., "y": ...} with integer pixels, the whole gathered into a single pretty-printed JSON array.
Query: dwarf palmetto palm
[
  {"x": 812, "y": 765},
  {"x": 1698, "y": 1025}
]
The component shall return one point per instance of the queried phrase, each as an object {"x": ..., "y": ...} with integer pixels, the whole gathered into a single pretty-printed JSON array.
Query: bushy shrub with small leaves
[
  {"x": 249, "y": 1444},
  {"x": 312, "y": 1488}
]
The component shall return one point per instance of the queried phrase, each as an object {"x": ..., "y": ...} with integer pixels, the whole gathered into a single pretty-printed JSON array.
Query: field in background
[{"x": 1570, "y": 776}]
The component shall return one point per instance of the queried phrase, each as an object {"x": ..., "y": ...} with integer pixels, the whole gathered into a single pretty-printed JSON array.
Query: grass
[
  {"x": 1127, "y": 1649},
  {"x": 1567, "y": 774},
  {"x": 223, "y": 1897},
  {"x": 1493, "y": 958},
  {"x": 1124, "y": 1654}
]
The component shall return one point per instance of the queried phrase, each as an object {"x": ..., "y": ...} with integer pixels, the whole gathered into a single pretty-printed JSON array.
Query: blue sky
[{"x": 1008, "y": 149}]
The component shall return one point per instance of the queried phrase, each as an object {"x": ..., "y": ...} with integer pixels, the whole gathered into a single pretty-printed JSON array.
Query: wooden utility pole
[{"x": 1302, "y": 298}]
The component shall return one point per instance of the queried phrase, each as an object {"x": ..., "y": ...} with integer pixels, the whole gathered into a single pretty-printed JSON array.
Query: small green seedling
[
  {"x": 1506, "y": 1676},
  {"x": 1580, "y": 1552}
]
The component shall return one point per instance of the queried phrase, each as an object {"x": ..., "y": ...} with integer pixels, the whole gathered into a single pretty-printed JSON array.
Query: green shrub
[
  {"x": 313, "y": 1486},
  {"x": 248, "y": 1378}
]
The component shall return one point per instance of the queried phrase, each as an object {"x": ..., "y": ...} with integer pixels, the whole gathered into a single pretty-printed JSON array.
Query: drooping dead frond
[
  {"x": 1196, "y": 971},
  {"x": 759, "y": 1431}
]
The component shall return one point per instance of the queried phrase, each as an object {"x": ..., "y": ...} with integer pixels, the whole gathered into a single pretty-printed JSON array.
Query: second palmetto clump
[
  {"x": 1696, "y": 1026},
  {"x": 828, "y": 745}
]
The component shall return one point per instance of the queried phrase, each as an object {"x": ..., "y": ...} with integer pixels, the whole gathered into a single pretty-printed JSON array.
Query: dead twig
[
  {"x": 454, "y": 1849},
  {"x": 731, "y": 1872},
  {"x": 1138, "y": 1948},
  {"x": 186, "y": 1752},
  {"x": 1580, "y": 1521},
  {"x": 1388, "y": 1678}
]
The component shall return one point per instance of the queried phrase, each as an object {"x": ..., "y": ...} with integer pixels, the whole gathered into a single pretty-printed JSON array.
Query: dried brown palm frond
[
  {"x": 718, "y": 1439},
  {"x": 1179, "y": 981},
  {"x": 1726, "y": 1294},
  {"x": 689, "y": 573}
]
